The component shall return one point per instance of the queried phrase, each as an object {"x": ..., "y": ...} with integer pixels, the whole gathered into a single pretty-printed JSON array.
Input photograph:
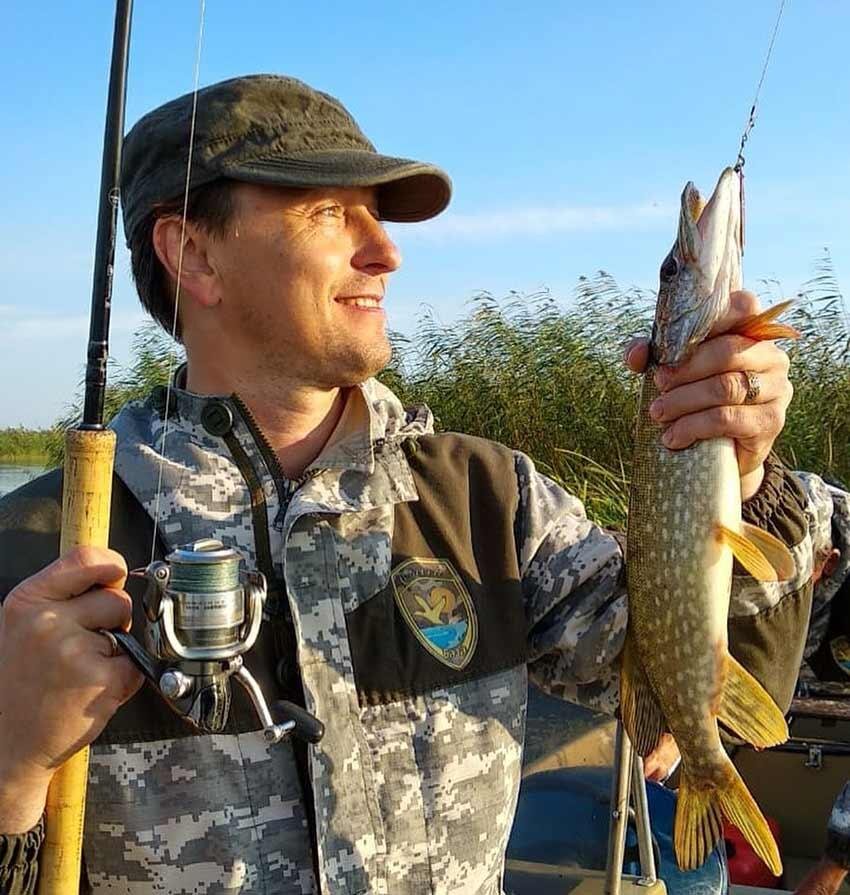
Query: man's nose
[{"x": 377, "y": 253}]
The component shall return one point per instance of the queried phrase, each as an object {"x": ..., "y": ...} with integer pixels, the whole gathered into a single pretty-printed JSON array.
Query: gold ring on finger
[
  {"x": 753, "y": 387},
  {"x": 115, "y": 649}
]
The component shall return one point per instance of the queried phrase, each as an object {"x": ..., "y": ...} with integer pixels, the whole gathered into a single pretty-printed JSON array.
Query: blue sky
[{"x": 569, "y": 129}]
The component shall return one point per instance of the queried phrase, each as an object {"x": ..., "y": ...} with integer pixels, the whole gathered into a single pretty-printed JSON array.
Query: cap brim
[{"x": 408, "y": 190}]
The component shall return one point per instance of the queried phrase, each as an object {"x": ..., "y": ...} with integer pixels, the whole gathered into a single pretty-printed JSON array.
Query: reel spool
[{"x": 203, "y": 612}]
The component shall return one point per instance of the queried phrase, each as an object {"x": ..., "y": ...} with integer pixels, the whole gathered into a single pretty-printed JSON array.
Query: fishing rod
[{"x": 89, "y": 459}]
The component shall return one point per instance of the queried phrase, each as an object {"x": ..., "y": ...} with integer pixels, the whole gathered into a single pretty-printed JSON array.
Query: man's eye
[{"x": 332, "y": 211}]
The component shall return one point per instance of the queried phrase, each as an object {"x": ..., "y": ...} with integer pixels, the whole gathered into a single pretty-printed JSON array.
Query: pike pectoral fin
[
  {"x": 639, "y": 708},
  {"x": 747, "y": 553},
  {"x": 763, "y": 326},
  {"x": 764, "y": 556},
  {"x": 697, "y": 827},
  {"x": 747, "y": 709},
  {"x": 773, "y": 550}
]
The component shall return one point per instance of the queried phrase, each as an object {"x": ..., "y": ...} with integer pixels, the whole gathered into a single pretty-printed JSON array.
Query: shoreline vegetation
[
  {"x": 547, "y": 378},
  {"x": 26, "y": 447}
]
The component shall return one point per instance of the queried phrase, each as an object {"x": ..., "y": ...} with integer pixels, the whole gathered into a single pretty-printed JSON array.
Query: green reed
[
  {"x": 548, "y": 378},
  {"x": 20, "y": 445}
]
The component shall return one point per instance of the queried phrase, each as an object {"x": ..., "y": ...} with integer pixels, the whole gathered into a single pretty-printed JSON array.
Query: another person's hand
[
  {"x": 59, "y": 681},
  {"x": 704, "y": 397},
  {"x": 662, "y": 761},
  {"x": 826, "y": 877}
]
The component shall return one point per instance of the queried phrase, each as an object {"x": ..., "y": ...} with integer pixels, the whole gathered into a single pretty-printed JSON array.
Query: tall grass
[
  {"x": 549, "y": 380},
  {"x": 543, "y": 379},
  {"x": 817, "y": 431},
  {"x": 151, "y": 352},
  {"x": 21, "y": 445}
]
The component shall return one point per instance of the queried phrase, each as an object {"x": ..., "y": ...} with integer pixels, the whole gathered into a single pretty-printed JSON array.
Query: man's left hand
[
  {"x": 663, "y": 760},
  {"x": 704, "y": 397}
]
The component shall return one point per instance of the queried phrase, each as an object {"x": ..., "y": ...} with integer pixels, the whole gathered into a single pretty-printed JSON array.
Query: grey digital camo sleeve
[
  {"x": 829, "y": 522},
  {"x": 838, "y": 830},
  {"x": 575, "y": 597},
  {"x": 574, "y": 593}
]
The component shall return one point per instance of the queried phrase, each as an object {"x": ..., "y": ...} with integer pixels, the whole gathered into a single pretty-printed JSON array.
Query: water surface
[{"x": 14, "y": 475}]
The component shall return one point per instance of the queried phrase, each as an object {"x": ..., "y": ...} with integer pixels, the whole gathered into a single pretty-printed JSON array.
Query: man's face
[{"x": 302, "y": 277}]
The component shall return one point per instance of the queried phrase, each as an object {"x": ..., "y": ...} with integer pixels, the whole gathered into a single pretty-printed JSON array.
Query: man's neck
[{"x": 296, "y": 420}]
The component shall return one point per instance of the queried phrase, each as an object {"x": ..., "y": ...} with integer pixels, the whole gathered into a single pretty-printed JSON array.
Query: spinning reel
[{"x": 203, "y": 612}]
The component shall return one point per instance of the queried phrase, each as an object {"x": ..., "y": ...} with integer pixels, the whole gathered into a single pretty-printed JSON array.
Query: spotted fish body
[
  {"x": 684, "y": 528},
  {"x": 680, "y": 579}
]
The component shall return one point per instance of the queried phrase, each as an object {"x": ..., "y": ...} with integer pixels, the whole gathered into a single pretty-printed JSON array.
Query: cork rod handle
[{"x": 86, "y": 498}]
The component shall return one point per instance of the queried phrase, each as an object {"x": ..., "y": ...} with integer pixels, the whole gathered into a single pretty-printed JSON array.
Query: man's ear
[{"x": 197, "y": 277}]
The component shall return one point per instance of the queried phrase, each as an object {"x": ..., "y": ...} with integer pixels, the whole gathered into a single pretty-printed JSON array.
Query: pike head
[{"x": 703, "y": 267}]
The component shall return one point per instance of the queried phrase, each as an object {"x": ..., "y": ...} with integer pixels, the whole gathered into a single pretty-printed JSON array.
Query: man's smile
[{"x": 361, "y": 302}]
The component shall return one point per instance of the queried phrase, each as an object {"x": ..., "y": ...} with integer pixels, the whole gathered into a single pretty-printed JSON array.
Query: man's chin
[{"x": 357, "y": 366}]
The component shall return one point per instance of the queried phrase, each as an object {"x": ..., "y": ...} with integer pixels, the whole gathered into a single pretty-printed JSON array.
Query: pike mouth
[{"x": 701, "y": 271}]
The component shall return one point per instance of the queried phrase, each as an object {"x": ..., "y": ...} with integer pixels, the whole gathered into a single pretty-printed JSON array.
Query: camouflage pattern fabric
[
  {"x": 829, "y": 510},
  {"x": 411, "y": 796},
  {"x": 838, "y": 830},
  {"x": 839, "y": 818},
  {"x": 213, "y": 814}
]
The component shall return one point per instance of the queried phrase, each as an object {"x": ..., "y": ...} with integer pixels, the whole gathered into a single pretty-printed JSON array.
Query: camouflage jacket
[
  {"x": 837, "y": 847},
  {"x": 830, "y": 507},
  {"x": 417, "y": 581}
]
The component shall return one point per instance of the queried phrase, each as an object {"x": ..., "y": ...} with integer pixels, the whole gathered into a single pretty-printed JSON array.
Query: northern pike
[{"x": 684, "y": 528}]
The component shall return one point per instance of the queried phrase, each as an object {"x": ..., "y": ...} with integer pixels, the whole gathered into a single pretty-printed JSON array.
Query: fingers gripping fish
[{"x": 684, "y": 528}]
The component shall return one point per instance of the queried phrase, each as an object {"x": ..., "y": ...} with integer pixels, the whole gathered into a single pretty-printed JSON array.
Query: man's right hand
[{"x": 59, "y": 682}]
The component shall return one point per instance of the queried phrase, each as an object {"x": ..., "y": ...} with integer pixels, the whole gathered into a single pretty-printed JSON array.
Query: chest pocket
[
  {"x": 431, "y": 627},
  {"x": 363, "y": 548}
]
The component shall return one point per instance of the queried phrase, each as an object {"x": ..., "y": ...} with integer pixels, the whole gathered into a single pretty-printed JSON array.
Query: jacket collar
[{"x": 361, "y": 466}]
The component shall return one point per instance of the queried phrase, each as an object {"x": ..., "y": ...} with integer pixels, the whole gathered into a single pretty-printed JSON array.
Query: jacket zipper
[{"x": 285, "y": 494}]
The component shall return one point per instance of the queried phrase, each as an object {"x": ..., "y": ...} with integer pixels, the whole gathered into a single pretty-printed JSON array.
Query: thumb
[{"x": 636, "y": 355}]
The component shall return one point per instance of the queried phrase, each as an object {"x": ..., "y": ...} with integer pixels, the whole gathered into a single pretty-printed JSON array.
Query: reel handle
[
  {"x": 145, "y": 663},
  {"x": 307, "y": 727}
]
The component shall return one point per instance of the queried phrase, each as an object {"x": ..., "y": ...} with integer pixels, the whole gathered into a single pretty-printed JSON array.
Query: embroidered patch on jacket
[
  {"x": 840, "y": 648},
  {"x": 437, "y": 608}
]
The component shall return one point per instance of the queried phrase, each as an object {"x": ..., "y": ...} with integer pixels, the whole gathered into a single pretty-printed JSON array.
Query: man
[{"x": 372, "y": 530}]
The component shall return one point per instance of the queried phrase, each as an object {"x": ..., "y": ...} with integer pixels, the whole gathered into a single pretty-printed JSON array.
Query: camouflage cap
[{"x": 268, "y": 129}]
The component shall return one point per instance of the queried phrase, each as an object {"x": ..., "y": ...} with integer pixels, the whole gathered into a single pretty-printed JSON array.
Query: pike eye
[{"x": 669, "y": 268}]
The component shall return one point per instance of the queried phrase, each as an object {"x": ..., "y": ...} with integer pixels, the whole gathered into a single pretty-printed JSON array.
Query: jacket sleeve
[
  {"x": 29, "y": 539},
  {"x": 768, "y": 621},
  {"x": 830, "y": 526},
  {"x": 575, "y": 600},
  {"x": 19, "y": 861}
]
